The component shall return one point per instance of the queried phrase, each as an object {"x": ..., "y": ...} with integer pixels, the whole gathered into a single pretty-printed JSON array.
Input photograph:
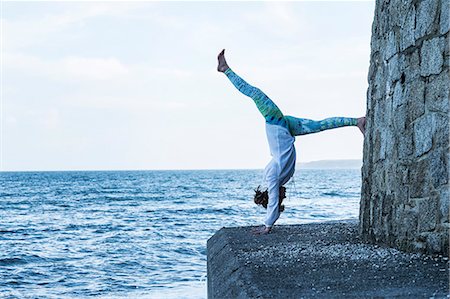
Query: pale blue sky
[{"x": 110, "y": 85}]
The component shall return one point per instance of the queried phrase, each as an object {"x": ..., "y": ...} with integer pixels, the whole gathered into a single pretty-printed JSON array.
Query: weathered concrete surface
[{"x": 325, "y": 260}]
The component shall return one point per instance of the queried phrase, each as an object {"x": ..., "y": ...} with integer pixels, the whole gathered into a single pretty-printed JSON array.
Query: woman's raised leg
[{"x": 271, "y": 113}]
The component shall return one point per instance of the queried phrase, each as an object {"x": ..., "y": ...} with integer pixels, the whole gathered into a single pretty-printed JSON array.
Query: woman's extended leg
[
  {"x": 302, "y": 126},
  {"x": 272, "y": 114}
]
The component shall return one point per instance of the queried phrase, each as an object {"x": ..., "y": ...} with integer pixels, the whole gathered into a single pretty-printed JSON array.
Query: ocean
[{"x": 140, "y": 234}]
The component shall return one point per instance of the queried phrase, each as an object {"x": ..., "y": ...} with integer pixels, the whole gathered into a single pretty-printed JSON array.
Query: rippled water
[{"x": 139, "y": 233}]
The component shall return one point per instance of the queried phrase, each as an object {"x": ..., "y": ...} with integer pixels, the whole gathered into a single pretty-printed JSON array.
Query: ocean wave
[
  {"x": 26, "y": 259},
  {"x": 12, "y": 261},
  {"x": 105, "y": 233},
  {"x": 340, "y": 194}
]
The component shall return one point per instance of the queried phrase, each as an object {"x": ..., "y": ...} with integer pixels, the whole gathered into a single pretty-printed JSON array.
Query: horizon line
[{"x": 180, "y": 169}]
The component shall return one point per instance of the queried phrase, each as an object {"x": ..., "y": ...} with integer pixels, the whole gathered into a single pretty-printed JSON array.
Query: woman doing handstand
[{"x": 281, "y": 131}]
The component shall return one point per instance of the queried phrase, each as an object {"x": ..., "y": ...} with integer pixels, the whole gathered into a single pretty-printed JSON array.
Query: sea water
[{"x": 140, "y": 234}]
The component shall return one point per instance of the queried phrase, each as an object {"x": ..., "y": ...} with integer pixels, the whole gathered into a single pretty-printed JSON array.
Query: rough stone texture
[
  {"x": 445, "y": 17},
  {"x": 426, "y": 16},
  {"x": 437, "y": 94},
  {"x": 405, "y": 188},
  {"x": 432, "y": 55},
  {"x": 320, "y": 260}
]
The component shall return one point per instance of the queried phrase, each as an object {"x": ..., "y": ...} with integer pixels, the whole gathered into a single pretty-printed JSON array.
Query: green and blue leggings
[{"x": 273, "y": 115}]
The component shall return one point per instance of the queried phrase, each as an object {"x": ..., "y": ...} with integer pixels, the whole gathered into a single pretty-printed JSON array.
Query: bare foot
[
  {"x": 362, "y": 124},
  {"x": 223, "y": 66}
]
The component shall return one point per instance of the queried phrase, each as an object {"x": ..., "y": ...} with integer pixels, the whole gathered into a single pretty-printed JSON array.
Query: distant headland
[{"x": 331, "y": 164}]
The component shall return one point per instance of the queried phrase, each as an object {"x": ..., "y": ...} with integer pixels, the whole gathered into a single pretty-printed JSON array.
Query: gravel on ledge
[{"x": 318, "y": 260}]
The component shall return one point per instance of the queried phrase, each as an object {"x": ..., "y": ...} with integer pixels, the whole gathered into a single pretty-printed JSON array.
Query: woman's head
[{"x": 262, "y": 197}]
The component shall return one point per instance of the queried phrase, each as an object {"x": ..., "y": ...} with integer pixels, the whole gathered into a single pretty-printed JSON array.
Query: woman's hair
[{"x": 262, "y": 198}]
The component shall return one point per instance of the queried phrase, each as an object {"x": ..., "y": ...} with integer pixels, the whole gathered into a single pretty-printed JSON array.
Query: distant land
[{"x": 331, "y": 164}]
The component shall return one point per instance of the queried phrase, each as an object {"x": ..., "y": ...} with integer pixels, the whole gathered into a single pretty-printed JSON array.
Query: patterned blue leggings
[{"x": 273, "y": 115}]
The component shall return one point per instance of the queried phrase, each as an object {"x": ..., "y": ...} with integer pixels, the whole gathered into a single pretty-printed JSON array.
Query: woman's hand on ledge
[{"x": 261, "y": 230}]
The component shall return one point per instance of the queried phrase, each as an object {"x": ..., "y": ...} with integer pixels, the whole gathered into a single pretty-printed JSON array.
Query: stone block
[
  {"x": 368, "y": 152},
  {"x": 370, "y": 100},
  {"x": 398, "y": 10},
  {"x": 379, "y": 84},
  {"x": 391, "y": 183},
  {"x": 405, "y": 147},
  {"x": 445, "y": 17},
  {"x": 428, "y": 174},
  {"x": 423, "y": 134},
  {"x": 393, "y": 67},
  {"x": 382, "y": 23},
  {"x": 441, "y": 130},
  {"x": 386, "y": 209},
  {"x": 434, "y": 242},
  {"x": 388, "y": 142},
  {"x": 408, "y": 222},
  {"x": 378, "y": 184},
  {"x": 401, "y": 116},
  {"x": 437, "y": 172},
  {"x": 388, "y": 112},
  {"x": 399, "y": 209},
  {"x": 410, "y": 66},
  {"x": 407, "y": 38},
  {"x": 444, "y": 200},
  {"x": 383, "y": 142},
  {"x": 415, "y": 96},
  {"x": 418, "y": 172},
  {"x": 437, "y": 93},
  {"x": 427, "y": 13},
  {"x": 373, "y": 67},
  {"x": 432, "y": 127},
  {"x": 432, "y": 57},
  {"x": 379, "y": 114},
  {"x": 403, "y": 173},
  {"x": 391, "y": 45},
  {"x": 427, "y": 214}
]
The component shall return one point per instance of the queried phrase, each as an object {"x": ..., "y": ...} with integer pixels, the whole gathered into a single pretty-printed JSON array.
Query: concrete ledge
[{"x": 319, "y": 260}]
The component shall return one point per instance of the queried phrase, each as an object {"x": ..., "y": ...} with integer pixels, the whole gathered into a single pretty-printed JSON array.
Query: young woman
[{"x": 280, "y": 130}]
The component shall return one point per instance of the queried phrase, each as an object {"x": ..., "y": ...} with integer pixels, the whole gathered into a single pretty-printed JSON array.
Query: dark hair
[{"x": 262, "y": 198}]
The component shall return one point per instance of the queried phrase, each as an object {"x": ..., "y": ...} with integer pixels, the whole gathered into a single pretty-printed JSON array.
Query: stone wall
[{"x": 405, "y": 189}]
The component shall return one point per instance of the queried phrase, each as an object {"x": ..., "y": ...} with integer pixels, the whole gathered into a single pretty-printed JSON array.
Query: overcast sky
[{"x": 110, "y": 85}]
